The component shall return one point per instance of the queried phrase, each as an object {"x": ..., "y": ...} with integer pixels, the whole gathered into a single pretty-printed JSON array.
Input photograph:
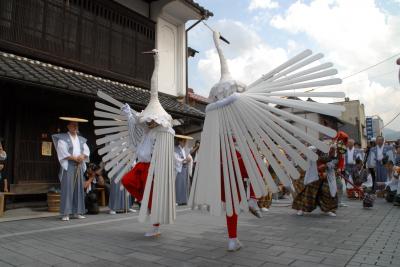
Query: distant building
[
  {"x": 374, "y": 126},
  {"x": 328, "y": 121},
  {"x": 354, "y": 120}
]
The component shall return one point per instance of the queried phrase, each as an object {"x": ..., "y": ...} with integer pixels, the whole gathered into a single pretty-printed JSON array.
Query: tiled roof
[
  {"x": 13, "y": 67},
  {"x": 200, "y": 8},
  {"x": 198, "y": 98}
]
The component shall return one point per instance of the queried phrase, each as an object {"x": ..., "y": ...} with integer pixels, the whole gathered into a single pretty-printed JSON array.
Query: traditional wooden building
[{"x": 56, "y": 54}]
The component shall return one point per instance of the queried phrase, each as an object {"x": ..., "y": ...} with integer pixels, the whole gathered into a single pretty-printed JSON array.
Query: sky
[{"x": 352, "y": 34}]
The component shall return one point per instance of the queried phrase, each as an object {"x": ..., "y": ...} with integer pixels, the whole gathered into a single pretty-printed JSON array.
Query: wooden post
[{"x": 2, "y": 202}]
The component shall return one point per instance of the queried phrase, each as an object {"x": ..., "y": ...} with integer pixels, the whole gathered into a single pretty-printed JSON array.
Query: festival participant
[
  {"x": 397, "y": 156},
  {"x": 135, "y": 180},
  {"x": 119, "y": 200},
  {"x": 182, "y": 161},
  {"x": 359, "y": 174},
  {"x": 392, "y": 181},
  {"x": 350, "y": 156},
  {"x": 380, "y": 153},
  {"x": 251, "y": 115},
  {"x": 145, "y": 140},
  {"x": 340, "y": 144},
  {"x": 319, "y": 186},
  {"x": 232, "y": 221},
  {"x": 3, "y": 157},
  {"x": 72, "y": 153},
  {"x": 369, "y": 163}
]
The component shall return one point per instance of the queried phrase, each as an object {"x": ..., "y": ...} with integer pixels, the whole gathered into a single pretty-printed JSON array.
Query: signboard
[
  {"x": 369, "y": 128},
  {"x": 46, "y": 149}
]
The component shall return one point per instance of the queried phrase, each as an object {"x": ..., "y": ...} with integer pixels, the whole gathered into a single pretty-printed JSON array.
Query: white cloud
[
  {"x": 353, "y": 35},
  {"x": 262, "y": 4},
  {"x": 248, "y": 56}
]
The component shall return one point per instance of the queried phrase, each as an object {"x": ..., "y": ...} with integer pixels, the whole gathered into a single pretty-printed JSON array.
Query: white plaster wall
[{"x": 170, "y": 41}]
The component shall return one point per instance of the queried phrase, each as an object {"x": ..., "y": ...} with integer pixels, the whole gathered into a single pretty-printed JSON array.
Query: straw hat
[
  {"x": 73, "y": 119},
  {"x": 183, "y": 137}
]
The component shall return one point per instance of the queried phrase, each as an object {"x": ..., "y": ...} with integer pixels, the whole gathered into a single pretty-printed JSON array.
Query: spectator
[
  {"x": 194, "y": 153},
  {"x": 182, "y": 158},
  {"x": 350, "y": 157},
  {"x": 392, "y": 180},
  {"x": 119, "y": 199},
  {"x": 359, "y": 175},
  {"x": 380, "y": 153},
  {"x": 397, "y": 156},
  {"x": 91, "y": 181},
  {"x": 369, "y": 164},
  {"x": 3, "y": 157},
  {"x": 73, "y": 153},
  {"x": 91, "y": 178},
  {"x": 360, "y": 154}
]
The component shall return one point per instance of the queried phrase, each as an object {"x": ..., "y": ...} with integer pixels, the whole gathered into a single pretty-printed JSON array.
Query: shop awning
[{"x": 34, "y": 72}]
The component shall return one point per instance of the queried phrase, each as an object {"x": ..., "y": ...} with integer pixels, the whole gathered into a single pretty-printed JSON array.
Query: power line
[
  {"x": 372, "y": 66},
  {"x": 398, "y": 114},
  {"x": 367, "y": 68}
]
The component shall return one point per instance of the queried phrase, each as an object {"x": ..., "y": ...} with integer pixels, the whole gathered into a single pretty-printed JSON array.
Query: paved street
[{"x": 356, "y": 237}]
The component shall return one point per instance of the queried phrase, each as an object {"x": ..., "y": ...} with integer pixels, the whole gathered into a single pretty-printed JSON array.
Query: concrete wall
[{"x": 354, "y": 118}]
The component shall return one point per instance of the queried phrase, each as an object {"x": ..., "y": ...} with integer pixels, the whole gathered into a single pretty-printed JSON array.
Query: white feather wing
[
  {"x": 119, "y": 134},
  {"x": 261, "y": 127}
]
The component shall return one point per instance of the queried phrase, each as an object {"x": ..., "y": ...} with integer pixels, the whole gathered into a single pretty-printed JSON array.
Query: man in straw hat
[
  {"x": 182, "y": 160},
  {"x": 72, "y": 153}
]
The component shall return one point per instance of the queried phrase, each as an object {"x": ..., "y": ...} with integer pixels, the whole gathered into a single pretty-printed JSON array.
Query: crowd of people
[{"x": 349, "y": 169}]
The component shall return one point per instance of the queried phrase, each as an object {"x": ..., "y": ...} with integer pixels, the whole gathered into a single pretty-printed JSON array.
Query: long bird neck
[
  {"x": 225, "y": 74},
  {"x": 154, "y": 78}
]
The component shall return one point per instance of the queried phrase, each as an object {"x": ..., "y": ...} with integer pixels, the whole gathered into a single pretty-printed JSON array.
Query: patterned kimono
[
  {"x": 71, "y": 174},
  {"x": 320, "y": 192}
]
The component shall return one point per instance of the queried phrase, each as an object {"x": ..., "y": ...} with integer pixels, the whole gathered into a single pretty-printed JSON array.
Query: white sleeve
[
  {"x": 178, "y": 162},
  {"x": 372, "y": 159},
  {"x": 178, "y": 158},
  {"x": 86, "y": 151},
  {"x": 62, "y": 154},
  {"x": 62, "y": 150}
]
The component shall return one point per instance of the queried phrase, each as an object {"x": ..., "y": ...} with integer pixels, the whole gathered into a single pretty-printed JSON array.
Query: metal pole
[{"x": 186, "y": 55}]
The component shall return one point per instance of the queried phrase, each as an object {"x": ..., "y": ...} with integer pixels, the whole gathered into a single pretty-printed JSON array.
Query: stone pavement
[{"x": 356, "y": 237}]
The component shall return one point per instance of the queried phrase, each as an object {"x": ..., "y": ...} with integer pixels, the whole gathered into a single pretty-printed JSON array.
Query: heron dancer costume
[
  {"x": 145, "y": 140},
  {"x": 248, "y": 115}
]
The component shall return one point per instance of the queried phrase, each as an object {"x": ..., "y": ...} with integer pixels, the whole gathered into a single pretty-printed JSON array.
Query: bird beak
[
  {"x": 220, "y": 36},
  {"x": 149, "y": 52},
  {"x": 223, "y": 39}
]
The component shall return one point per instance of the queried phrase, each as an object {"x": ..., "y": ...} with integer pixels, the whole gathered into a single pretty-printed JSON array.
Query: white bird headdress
[
  {"x": 248, "y": 117},
  {"x": 123, "y": 130}
]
